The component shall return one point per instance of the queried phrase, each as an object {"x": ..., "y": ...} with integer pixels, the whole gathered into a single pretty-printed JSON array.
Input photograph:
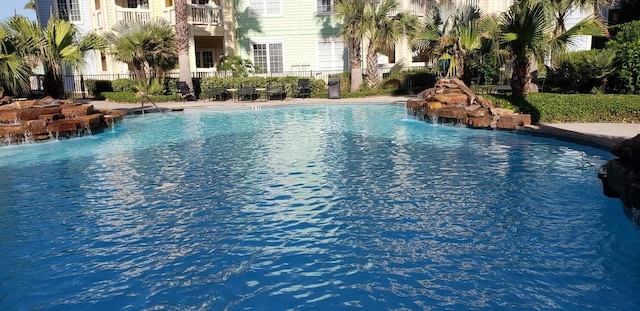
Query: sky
[{"x": 8, "y": 7}]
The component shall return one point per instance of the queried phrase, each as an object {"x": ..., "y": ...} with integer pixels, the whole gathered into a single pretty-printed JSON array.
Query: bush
[
  {"x": 289, "y": 83},
  {"x": 96, "y": 87},
  {"x": 123, "y": 85},
  {"x": 583, "y": 71},
  {"x": 130, "y": 97},
  {"x": 422, "y": 77},
  {"x": 554, "y": 108},
  {"x": 626, "y": 43}
]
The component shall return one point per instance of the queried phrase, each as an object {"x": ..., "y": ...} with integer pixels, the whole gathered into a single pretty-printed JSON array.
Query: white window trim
[
  {"x": 332, "y": 11},
  {"x": 55, "y": 5},
  {"x": 333, "y": 41},
  {"x": 213, "y": 57},
  {"x": 267, "y": 42},
  {"x": 253, "y": 15}
]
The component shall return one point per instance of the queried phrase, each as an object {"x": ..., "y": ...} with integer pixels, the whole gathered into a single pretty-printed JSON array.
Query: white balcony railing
[
  {"x": 124, "y": 14},
  {"x": 198, "y": 15},
  {"x": 205, "y": 14}
]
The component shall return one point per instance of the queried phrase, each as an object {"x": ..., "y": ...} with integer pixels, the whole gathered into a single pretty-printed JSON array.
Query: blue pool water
[{"x": 337, "y": 207}]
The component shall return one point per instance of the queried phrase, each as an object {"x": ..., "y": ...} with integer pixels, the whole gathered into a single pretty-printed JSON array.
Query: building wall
[
  {"x": 299, "y": 28},
  {"x": 44, "y": 10}
]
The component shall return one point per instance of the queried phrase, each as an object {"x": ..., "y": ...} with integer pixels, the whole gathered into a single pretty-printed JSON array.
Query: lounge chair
[
  {"x": 247, "y": 93},
  {"x": 303, "y": 89},
  {"x": 276, "y": 91}
]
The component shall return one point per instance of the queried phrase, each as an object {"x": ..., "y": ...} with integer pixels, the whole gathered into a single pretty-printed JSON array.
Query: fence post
[{"x": 82, "y": 88}]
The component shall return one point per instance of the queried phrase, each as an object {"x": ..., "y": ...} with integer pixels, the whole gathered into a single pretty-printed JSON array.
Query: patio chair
[
  {"x": 276, "y": 91},
  {"x": 186, "y": 94},
  {"x": 247, "y": 93},
  {"x": 220, "y": 93},
  {"x": 303, "y": 89}
]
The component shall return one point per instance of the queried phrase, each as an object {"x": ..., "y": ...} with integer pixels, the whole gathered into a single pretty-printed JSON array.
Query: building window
[
  {"x": 204, "y": 59},
  {"x": 267, "y": 57},
  {"x": 325, "y": 6},
  {"x": 69, "y": 10},
  {"x": 265, "y": 8},
  {"x": 332, "y": 55},
  {"x": 200, "y": 2},
  {"x": 138, "y": 4}
]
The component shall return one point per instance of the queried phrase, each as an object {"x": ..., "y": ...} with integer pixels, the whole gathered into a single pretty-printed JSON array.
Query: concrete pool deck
[{"x": 599, "y": 135}]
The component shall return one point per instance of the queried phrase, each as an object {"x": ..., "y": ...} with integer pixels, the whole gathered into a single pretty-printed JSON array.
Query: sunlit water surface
[{"x": 337, "y": 207}]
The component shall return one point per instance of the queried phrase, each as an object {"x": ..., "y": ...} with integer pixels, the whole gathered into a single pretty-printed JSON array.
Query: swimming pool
[{"x": 324, "y": 207}]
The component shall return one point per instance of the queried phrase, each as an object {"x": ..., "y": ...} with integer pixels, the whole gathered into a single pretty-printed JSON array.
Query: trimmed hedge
[
  {"x": 558, "y": 108},
  {"x": 96, "y": 87},
  {"x": 289, "y": 82},
  {"x": 130, "y": 97},
  {"x": 123, "y": 85}
]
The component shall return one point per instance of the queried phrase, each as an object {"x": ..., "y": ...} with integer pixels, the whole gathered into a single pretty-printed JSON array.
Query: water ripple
[{"x": 311, "y": 208}]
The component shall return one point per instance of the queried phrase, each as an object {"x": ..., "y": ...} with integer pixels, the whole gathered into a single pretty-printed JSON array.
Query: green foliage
[
  {"x": 238, "y": 66},
  {"x": 131, "y": 97},
  {"x": 409, "y": 79},
  {"x": 123, "y": 85},
  {"x": 583, "y": 71},
  {"x": 96, "y": 87},
  {"x": 554, "y": 108},
  {"x": 289, "y": 83},
  {"x": 626, "y": 44}
]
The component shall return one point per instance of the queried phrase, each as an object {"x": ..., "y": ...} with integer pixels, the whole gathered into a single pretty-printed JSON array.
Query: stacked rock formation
[
  {"x": 33, "y": 120},
  {"x": 450, "y": 100},
  {"x": 621, "y": 176}
]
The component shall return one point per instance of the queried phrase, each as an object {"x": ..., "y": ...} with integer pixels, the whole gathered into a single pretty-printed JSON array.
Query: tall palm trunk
[
  {"x": 52, "y": 84},
  {"x": 182, "y": 41},
  {"x": 520, "y": 78},
  {"x": 355, "y": 64},
  {"x": 372, "y": 66}
]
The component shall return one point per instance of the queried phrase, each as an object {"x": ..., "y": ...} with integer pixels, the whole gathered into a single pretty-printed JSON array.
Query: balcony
[
  {"x": 125, "y": 14},
  {"x": 199, "y": 14}
]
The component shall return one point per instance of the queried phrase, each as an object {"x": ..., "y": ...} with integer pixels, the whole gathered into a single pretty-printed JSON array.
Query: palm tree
[
  {"x": 57, "y": 46},
  {"x": 530, "y": 34},
  {"x": 524, "y": 28},
  {"x": 450, "y": 34},
  {"x": 382, "y": 31},
  {"x": 351, "y": 13},
  {"x": 31, "y": 5},
  {"x": 182, "y": 41},
  {"x": 147, "y": 47},
  {"x": 14, "y": 70}
]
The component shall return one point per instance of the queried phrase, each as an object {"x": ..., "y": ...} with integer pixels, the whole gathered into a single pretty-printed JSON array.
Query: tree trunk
[
  {"x": 519, "y": 76},
  {"x": 355, "y": 64},
  {"x": 182, "y": 42},
  {"x": 53, "y": 85},
  {"x": 372, "y": 66}
]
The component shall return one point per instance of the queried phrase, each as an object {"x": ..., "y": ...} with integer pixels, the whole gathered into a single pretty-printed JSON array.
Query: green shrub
[
  {"x": 289, "y": 82},
  {"x": 626, "y": 43},
  {"x": 123, "y": 85},
  {"x": 130, "y": 97},
  {"x": 421, "y": 77},
  {"x": 554, "y": 108},
  {"x": 96, "y": 87},
  {"x": 583, "y": 71}
]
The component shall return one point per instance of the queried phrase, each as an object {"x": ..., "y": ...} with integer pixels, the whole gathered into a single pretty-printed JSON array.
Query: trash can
[{"x": 334, "y": 88}]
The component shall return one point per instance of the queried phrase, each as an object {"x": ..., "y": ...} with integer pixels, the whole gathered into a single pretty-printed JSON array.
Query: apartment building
[
  {"x": 279, "y": 36},
  {"x": 212, "y": 26}
]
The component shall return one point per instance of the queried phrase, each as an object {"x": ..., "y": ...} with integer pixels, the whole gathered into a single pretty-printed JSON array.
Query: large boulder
[{"x": 621, "y": 176}]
